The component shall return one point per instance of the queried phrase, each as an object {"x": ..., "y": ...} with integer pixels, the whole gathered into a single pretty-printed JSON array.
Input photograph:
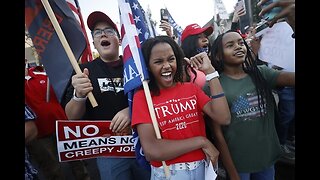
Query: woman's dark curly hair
[{"x": 146, "y": 51}]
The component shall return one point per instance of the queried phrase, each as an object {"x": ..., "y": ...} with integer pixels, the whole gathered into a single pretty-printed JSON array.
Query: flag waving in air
[
  {"x": 46, "y": 41},
  {"x": 75, "y": 7},
  {"x": 134, "y": 68},
  {"x": 132, "y": 29},
  {"x": 142, "y": 21}
]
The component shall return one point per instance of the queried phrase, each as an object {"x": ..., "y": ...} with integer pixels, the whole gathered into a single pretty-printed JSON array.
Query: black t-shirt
[{"x": 107, "y": 82}]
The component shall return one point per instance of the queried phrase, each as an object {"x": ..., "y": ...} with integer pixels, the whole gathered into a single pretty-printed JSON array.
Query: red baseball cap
[
  {"x": 194, "y": 29},
  {"x": 98, "y": 16}
]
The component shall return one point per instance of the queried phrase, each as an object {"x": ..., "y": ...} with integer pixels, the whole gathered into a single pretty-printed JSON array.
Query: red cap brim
[
  {"x": 208, "y": 30},
  {"x": 194, "y": 29}
]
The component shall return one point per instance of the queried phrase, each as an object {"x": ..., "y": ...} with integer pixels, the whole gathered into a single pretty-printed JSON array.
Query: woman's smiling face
[{"x": 163, "y": 65}]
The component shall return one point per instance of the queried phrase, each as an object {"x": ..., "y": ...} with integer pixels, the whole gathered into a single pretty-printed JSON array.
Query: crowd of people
[{"x": 214, "y": 104}]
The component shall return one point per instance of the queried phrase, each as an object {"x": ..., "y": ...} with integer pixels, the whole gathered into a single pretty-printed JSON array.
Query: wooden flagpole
[
  {"x": 131, "y": 41},
  {"x": 66, "y": 46},
  {"x": 154, "y": 121}
]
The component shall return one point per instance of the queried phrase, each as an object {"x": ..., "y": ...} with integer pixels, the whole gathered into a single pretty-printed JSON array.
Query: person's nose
[{"x": 166, "y": 65}]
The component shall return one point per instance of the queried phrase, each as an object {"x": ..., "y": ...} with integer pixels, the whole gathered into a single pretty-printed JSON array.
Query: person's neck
[
  {"x": 108, "y": 59},
  {"x": 234, "y": 72}
]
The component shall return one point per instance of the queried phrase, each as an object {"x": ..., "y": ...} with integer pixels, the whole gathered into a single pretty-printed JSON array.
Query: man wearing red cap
[{"x": 104, "y": 78}]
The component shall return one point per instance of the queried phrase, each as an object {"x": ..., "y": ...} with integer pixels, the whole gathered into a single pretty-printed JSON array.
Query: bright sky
[{"x": 184, "y": 12}]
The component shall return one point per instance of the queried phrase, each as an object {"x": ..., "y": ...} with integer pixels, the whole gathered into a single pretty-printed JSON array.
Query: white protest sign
[{"x": 278, "y": 47}]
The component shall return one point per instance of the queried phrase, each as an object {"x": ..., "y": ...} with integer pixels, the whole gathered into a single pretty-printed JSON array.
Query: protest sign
[{"x": 89, "y": 139}]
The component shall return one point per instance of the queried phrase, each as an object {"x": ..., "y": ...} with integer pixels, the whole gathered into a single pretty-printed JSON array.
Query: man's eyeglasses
[{"x": 107, "y": 31}]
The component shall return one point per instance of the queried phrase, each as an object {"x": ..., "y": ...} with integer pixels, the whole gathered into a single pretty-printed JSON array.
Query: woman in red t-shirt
[{"x": 178, "y": 108}]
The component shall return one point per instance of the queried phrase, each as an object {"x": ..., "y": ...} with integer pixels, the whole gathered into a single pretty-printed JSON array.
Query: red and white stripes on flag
[
  {"x": 134, "y": 66},
  {"x": 74, "y": 6}
]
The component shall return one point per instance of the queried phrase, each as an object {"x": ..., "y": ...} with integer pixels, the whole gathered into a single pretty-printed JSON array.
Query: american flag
[
  {"x": 246, "y": 106},
  {"x": 132, "y": 29},
  {"x": 74, "y": 6},
  {"x": 135, "y": 70},
  {"x": 141, "y": 20}
]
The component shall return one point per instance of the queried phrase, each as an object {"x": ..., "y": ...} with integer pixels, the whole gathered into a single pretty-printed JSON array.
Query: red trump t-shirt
[{"x": 179, "y": 115}]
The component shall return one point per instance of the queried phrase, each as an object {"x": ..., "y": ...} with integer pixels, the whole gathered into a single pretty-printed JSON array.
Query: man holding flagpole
[{"x": 104, "y": 78}]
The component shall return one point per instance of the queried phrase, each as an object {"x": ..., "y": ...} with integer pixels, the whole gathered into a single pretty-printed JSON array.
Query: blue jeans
[
  {"x": 121, "y": 169},
  {"x": 195, "y": 174},
  {"x": 286, "y": 108},
  {"x": 267, "y": 174}
]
